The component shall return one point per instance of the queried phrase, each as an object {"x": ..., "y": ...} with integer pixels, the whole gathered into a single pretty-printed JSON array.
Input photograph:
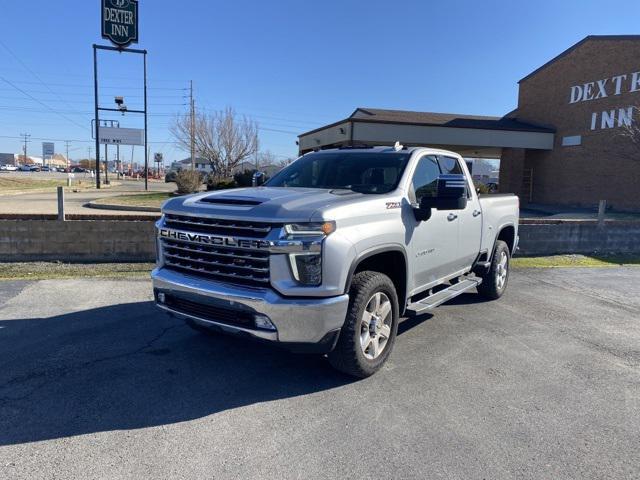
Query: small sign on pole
[
  {"x": 120, "y": 22},
  {"x": 121, "y": 136},
  {"x": 48, "y": 149}
]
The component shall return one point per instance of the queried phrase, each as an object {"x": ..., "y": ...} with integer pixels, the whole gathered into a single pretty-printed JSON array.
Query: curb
[{"x": 121, "y": 208}]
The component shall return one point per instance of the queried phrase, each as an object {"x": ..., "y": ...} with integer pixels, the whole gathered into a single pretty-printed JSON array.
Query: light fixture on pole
[{"x": 120, "y": 103}]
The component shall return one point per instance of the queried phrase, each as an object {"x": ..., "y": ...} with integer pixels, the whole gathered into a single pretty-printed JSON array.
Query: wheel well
[
  {"x": 392, "y": 264},
  {"x": 508, "y": 235}
]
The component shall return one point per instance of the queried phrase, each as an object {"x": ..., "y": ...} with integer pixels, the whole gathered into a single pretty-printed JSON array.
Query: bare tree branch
[{"x": 222, "y": 138}]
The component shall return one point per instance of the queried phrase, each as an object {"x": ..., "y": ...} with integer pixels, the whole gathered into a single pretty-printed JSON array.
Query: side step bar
[{"x": 432, "y": 301}]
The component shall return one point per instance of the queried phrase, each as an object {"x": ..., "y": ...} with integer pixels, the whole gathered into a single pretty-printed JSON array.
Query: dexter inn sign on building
[{"x": 604, "y": 88}]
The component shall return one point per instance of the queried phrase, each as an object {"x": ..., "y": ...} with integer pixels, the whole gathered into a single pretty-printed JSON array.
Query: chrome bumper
[{"x": 297, "y": 320}]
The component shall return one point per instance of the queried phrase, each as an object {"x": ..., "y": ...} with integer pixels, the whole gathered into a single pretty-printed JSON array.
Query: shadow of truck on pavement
[{"x": 132, "y": 366}]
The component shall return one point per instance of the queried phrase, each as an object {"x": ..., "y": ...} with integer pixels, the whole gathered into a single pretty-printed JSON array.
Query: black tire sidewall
[
  {"x": 348, "y": 355},
  {"x": 489, "y": 287}
]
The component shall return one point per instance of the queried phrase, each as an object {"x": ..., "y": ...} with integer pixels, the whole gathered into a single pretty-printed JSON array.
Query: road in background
[
  {"x": 543, "y": 383},
  {"x": 46, "y": 202}
]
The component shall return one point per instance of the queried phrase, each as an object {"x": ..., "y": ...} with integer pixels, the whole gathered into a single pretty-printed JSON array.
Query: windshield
[{"x": 365, "y": 172}]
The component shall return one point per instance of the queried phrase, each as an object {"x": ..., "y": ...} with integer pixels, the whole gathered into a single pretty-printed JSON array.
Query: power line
[
  {"x": 41, "y": 103},
  {"x": 24, "y": 65}
]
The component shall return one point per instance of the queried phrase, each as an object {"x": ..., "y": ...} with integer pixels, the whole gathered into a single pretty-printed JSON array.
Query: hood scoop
[{"x": 237, "y": 201}]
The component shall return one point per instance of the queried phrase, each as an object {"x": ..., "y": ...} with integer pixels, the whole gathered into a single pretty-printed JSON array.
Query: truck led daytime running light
[{"x": 310, "y": 229}]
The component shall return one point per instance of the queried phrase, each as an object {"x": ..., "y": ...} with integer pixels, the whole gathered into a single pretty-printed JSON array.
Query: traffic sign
[
  {"x": 120, "y": 22},
  {"x": 158, "y": 157}
]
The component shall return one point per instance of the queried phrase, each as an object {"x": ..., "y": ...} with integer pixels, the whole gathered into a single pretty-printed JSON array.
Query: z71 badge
[{"x": 391, "y": 205}]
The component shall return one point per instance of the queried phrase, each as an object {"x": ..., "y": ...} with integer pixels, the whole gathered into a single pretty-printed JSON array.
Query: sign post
[
  {"x": 49, "y": 149},
  {"x": 120, "y": 27}
]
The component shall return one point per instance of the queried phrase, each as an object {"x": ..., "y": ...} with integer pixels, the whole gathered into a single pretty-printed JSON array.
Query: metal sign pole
[
  {"x": 95, "y": 88},
  {"x": 146, "y": 149}
]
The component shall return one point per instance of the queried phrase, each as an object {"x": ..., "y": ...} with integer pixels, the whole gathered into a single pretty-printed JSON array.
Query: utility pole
[
  {"x": 67, "y": 146},
  {"x": 26, "y": 137},
  {"x": 193, "y": 127}
]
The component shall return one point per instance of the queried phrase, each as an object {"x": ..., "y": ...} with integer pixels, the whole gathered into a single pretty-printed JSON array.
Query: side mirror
[
  {"x": 450, "y": 194},
  {"x": 258, "y": 179}
]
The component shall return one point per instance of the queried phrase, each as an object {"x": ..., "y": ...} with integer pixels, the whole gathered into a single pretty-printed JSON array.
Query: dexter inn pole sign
[{"x": 120, "y": 22}]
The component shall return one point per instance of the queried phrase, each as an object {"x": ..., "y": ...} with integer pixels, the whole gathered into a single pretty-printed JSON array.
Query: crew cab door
[
  {"x": 470, "y": 219},
  {"x": 433, "y": 244}
]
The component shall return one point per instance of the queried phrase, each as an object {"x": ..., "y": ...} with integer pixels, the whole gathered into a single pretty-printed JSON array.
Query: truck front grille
[
  {"x": 214, "y": 226},
  {"x": 226, "y": 264}
]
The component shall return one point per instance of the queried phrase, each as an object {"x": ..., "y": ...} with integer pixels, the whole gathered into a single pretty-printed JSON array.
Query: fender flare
[{"x": 375, "y": 251}]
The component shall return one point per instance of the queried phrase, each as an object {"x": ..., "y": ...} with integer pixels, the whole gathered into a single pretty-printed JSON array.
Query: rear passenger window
[
  {"x": 449, "y": 165},
  {"x": 425, "y": 177}
]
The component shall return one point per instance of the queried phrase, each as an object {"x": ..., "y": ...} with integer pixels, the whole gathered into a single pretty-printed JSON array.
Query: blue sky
[{"x": 291, "y": 65}]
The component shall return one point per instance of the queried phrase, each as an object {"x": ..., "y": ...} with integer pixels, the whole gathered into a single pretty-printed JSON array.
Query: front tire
[
  {"x": 370, "y": 328},
  {"x": 494, "y": 282}
]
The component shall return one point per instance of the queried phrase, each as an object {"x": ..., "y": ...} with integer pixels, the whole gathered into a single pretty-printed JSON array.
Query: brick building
[
  {"x": 562, "y": 145},
  {"x": 587, "y": 94}
]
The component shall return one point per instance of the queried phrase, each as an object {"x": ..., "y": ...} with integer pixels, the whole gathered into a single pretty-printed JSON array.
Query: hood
[{"x": 264, "y": 204}]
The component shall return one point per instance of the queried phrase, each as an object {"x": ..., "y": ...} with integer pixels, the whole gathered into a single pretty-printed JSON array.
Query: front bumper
[{"x": 298, "y": 322}]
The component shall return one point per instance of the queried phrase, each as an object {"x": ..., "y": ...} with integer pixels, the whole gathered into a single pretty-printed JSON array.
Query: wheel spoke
[
  {"x": 366, "y": 319},
  {"x": 385, "y": 331},
  {"x": 385, "y": 310},
  {"x": 365, "y": 340},
  {"x": 375, "y": 347},
  {"x": 374, "y": 303}
]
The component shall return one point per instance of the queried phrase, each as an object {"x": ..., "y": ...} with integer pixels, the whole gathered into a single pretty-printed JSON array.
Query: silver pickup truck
[{"x": 332, "y": 251}]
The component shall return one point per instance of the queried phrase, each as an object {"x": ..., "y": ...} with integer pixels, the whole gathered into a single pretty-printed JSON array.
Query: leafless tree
[
  {"x": 222, "y": 138},
  {"x": 631, "y": 132}
]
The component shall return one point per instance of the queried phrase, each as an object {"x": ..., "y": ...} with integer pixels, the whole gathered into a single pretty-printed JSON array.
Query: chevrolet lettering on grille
[{"x": 213, "y": 239}]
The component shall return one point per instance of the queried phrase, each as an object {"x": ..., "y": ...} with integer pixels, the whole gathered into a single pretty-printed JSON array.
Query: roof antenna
[{"x": 397, "y": 146}]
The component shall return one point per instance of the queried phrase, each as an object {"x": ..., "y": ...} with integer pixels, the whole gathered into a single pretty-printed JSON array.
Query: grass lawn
[
  {"x": 140, "y": 200},
  {"x": 56, "y": 270},
  {"x": 48, "y": 270},
  {"x": 558, "y": 261},
  {"x": 13, "y": 184},
  {"x": 18, "y": 184}
]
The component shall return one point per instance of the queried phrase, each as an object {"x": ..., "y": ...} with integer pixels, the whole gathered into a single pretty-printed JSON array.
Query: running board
[{"x": 432, "y": 301}]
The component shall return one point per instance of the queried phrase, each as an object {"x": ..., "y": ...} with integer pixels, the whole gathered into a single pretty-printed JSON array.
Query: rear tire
[
  {"x": 494, "y": 282},
  {"x": 370, "y": 328}
]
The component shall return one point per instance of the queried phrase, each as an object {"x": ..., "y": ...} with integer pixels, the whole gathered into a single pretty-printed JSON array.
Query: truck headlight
[
  {"x": 313, "y": 229},
  {"x": 306, "y": 268}
]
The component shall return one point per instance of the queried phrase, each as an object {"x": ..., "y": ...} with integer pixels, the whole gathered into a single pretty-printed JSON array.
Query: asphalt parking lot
[{"x": 544, "y": 383}]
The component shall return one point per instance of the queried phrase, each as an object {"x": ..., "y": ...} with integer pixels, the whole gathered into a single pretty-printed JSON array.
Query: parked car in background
[
  {"x": 46, "y": 169},
  {"x": 79, "y": 170},
  {"x": 24, "y": 168}
]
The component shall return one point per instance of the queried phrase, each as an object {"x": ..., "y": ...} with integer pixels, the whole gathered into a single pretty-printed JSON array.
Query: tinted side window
[
  {"x": 449, "y": 165},
  {"x": 425, "y": 177}
]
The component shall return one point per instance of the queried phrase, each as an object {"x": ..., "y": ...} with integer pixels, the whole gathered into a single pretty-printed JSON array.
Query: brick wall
[{"x": 77, "y": 241}]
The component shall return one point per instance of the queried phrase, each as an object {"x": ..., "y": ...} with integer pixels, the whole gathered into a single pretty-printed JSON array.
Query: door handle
[
  {"x": 451, "y": 217},
  {"x": 476, "y": 213}
]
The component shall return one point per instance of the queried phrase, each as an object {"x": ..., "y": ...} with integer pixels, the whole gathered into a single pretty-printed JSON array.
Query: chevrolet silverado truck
[{"x": 332, "y": 251}]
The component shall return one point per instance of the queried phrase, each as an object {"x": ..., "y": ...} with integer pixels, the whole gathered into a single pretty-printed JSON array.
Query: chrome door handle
[
  {"x": 451, "y": 217},
  {"x": 476, "y": 213}
]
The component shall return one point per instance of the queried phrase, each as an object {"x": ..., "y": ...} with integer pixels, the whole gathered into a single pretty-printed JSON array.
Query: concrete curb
[{"x": 121, "y": 208}]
